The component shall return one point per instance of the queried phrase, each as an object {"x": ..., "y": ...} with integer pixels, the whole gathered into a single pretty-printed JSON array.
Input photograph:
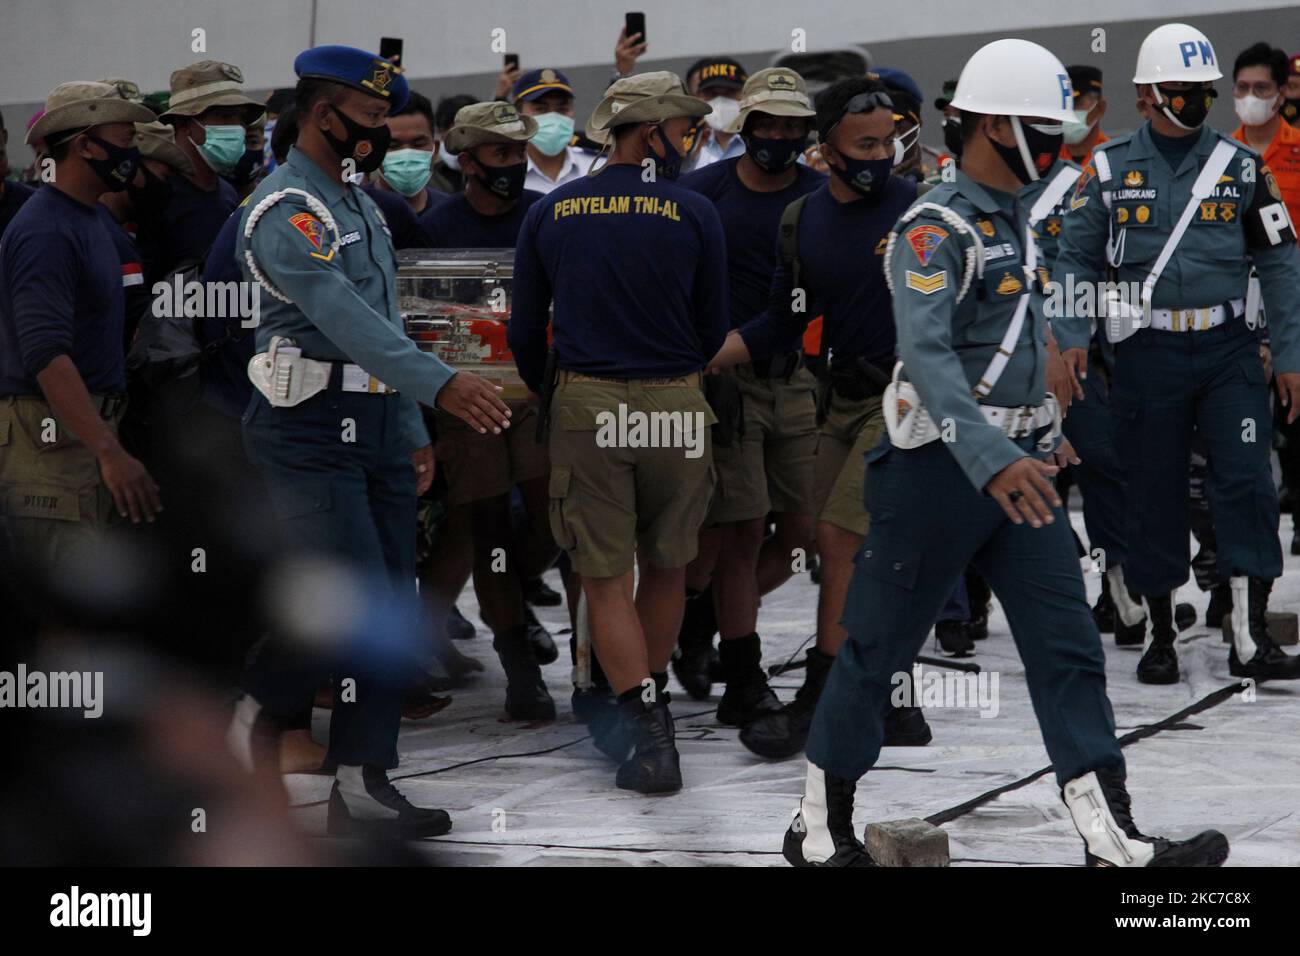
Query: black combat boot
[
  {"x": 906, "y": 727},
  {"x": 544, "y": 648},
  {"x": 822, "y": 831},
  {"x": 784, "y": 733},
  {"x": 1103, "y": 612},
  {"x": 978, "y": 597},
  {"x": 1220, "y": 605},
  {"x": 458, "y": 627},
  {"x": 748, "y": 696},
  {"x": 540, "y": 594},
  {"x": 692, "y": 662},
  {"x": 1099, "y": 805},
  {"x": 1263, "y": 660},
  {"x": 363, "y": 802},
  {"x": 654, "y": 766},
  {"x": 1159, "y": 665},
  {"x": 526, "y": 695},
  {"x": 954, "y": 638}
]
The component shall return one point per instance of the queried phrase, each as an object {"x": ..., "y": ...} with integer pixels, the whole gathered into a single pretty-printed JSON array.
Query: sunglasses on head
[{"x": 862, "y": 103}]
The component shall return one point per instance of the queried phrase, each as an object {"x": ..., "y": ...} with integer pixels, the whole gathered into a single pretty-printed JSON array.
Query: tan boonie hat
[
  {"x": 208, "y": 83},
  {"x": 81, "y": 105},
  {"x": 778, "y": 91},
  {"x": 125, "y": 88},
  {"x": 158, "y": 141},
  {"x": 493, "y": 122},
  {"x": 644, "y": 98}
]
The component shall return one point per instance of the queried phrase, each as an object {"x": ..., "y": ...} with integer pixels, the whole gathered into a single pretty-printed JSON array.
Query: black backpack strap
[{"x": 788, "y": 237}]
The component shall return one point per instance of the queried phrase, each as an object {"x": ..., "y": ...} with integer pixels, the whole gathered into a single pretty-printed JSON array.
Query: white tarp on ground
[{"x": 522, "y": 795}]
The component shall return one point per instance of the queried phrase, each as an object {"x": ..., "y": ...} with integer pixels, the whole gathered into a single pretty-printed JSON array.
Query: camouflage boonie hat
[
  {"x": 79, "y": 106},
  {"x": 645, "y": 98},
  {"x": 158, "y": 141},
  {"x": 493, "y": 122},
  {"x": 778, "y": 91},
  {"x": 208, "y": 83}
]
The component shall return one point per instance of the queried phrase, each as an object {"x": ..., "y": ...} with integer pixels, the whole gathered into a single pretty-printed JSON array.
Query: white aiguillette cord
[{"x": 315, "y": 205}]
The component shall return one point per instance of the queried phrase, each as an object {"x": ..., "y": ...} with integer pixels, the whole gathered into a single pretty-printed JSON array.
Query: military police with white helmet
[
  {"x": 962, "y": 478},
  {"x": 1183, "y": 212}
]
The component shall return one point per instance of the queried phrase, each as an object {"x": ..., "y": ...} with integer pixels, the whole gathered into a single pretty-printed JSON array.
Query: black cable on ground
[{"x": 1205, "y": 703}]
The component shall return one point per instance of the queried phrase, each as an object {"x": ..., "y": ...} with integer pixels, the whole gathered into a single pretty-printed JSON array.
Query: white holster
[{"x": 284, "y": 376}]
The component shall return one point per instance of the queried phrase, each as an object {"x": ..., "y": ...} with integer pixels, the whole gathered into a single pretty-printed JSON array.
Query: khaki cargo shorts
[
  {"x": 852, "y": 428},
  {"x": 631, "y": 471},
  {"x": 479, "y": 466},
  {"x": 52, "y": 499},
  {"x": 771, "y": 467}
]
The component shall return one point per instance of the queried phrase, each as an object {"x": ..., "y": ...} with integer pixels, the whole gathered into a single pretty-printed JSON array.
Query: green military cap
[
  {"x": 778, "y": 91},
  {"x": 645, "y": 98},
  {"x": 493, "y": 122},
  {"x": 208, "y": 83},
  {"x": 157, "y": 141},
  {"x": 79, "y": 106}
]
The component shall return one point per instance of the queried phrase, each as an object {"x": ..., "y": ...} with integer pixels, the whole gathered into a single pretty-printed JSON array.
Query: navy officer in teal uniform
[
  {"x": 1187, "y": 361},
  {"x": 961, "y": 479},
  {"x": 334, "y": 424}
]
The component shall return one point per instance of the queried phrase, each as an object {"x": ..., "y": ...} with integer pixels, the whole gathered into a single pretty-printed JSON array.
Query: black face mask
[
  {"x": 773, "y": 155},
  {"x": 952, "y": 135},
  {"x": 865, "y": 176},
  {"x": 1186, "y": 108},
  {"x": 150, "y": 200},
  {"x": 1291, "y": 111},
  {"x": 248, "y": 168},
  {"x": 118, "y": 170},
  {"x": 1043, "y": 148},
  {"x": 365, "y": 145},
  {"x": 504, "y": 181},
  {"x": 670, "y": 166}
]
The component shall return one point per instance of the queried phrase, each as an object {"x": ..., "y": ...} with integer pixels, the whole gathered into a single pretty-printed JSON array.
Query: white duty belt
[
  {"x": 908, "y": 423},
  {"x": 287, "y": 379}
]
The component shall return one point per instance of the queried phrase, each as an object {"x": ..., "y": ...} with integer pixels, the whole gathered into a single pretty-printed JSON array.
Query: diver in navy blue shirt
[
  {"x": 630, "y": 261},
  {"x": 62, "y": 366},
  {"x": 768, "y": 468},
  {"x": 839, "y": 242}
]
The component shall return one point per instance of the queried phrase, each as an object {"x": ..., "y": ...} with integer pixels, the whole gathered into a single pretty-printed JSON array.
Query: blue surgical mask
[
  {"x": 554, "y": 132},
  {"x": 223, "y": 147},
  {"x": 408, "y": 170}
]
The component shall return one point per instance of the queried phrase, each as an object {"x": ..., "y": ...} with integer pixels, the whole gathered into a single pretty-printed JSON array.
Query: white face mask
[
  {"x": 450, "y": 160},
  {"x": 1252, "y": 111},
  {"x": 725, "y": 111},
  {"x": 1077, "y": 129}
]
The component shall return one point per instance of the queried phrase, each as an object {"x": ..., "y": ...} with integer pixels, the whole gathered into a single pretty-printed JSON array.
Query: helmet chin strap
[
  {"x": 1019, "y": 132},
  {"x": 1162, "y": 103}
]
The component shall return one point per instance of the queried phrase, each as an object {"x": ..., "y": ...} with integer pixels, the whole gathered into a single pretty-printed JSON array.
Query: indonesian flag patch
[{"x": 132, "y": 274}]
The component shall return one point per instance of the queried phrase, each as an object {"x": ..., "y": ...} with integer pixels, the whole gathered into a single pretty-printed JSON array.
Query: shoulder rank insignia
[
  {"x": 881, "y": 245},
  {"x": 314, "y": 231},
  {"x": 1009, "y": 285},
  {"x": 927, "y": 285},
  {"x": 986, "y": 227},
  {"x": 1133, "y": 178},
  {"x": 924, "y": 240}
]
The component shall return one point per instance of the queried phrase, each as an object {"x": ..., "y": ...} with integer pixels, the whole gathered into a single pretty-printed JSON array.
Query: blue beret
[
  {"x": 355, "y": 68},
  {"x": 898, "y": 80},
  {"x": 537, "y": 83}
]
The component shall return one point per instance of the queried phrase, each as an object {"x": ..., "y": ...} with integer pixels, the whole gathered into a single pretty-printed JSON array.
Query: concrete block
[
  {"x": 910, "y": 842},
  {"x": 1283, "y": 628}
]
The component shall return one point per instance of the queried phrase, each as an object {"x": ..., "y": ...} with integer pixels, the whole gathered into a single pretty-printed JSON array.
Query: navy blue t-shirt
[
  {"x": 60, "y": 294},
  {"x": 455, "y": 224},
  {"x": 135, "y": 294},
  {"x": 402, "y": 221},
  {"x": 841, "y": 248},
  {"x": 631, "y": 268},
  {"x": 15, "y": 194},
  {"x": 750, "y": 221},
  {"x": 190, "y": 223},
  {"x": 225, "y": 375}
]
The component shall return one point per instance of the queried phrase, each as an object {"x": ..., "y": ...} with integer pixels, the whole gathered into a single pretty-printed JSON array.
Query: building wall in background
[{"x": 448, "y": 45}]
